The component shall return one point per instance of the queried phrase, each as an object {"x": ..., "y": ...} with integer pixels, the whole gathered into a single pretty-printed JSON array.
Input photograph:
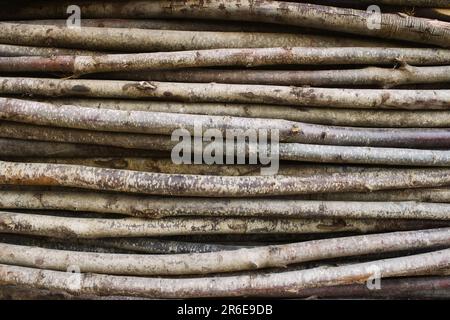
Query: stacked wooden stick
[{"x": 93, "y": 206}]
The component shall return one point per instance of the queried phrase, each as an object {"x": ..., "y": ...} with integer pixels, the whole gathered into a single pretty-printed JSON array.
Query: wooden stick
[
  {"x": 322, "y": 115},
  {"x": 369, "y": 76},
  {"x": 215, "y": 186},
  {"x": 79, "y": 65},
  {"x": 229, "y": 93},
  {"x": 147, "y": 40},
  {"x": 64, "y": 227},
  {"x": 159, "y": 123},
  {"x": 392, "y": 26},
  {"x": 145, "y": 207},
  {"x": 222, "y": 261},
  {"x": 233, "y": 286}
]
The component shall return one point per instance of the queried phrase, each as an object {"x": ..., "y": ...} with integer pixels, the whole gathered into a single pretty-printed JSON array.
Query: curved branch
[
  {"x": 63, "y": 227},
  {"x": 233, "y": 286},
  {"x": 222, "y": 261},
  {"x": 215, "y": 186},
  {"x": 392, "y": 26}
]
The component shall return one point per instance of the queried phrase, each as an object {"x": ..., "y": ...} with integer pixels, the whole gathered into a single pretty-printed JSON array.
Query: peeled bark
[
  {"x": 216, "y": 186},
  {"x": 64, "y": 227},
  {"x": 222, "y": 261},
  {"x": 147, "y": 207},
  {"x": 79, "y": 65},
  {"x": 322, "y": 115},
  {"x": 233, "y": 286},
  {"x": 370, "y": 76},
  {"x": 352, "y": 21},
  {"x": 147, "y": 40},
  {"x": 229, "y": 93}
]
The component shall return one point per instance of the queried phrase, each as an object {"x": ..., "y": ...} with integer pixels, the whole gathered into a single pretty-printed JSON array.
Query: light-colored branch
[
  {"x": 229, "y": 93},
  {"x": 161, "y": 123},
  {"x": 222, "y": 261},
  {"x": 246, "y": 285},
  {"x": 147, "y": 207},
  {"x": 63, "y": 227},
  {"x": 147, "y": 40},
  {"x": 216, "y": 186},
  {"x": 392, "y": 26},
  {"x": 322, "y": 115},
  {"x": 80, "y": 65}
]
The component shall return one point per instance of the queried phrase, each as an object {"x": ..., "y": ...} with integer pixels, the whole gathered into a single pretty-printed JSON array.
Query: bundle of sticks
[{"x": 93, "y": 204}]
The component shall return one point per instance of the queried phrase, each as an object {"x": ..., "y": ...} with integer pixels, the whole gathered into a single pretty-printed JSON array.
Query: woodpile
[{"x": 94, "y": 205}]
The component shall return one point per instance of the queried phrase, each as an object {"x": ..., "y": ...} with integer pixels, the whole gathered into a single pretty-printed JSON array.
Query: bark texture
[
  {"x": 222, "y": 261},
  {"x": 232, "y": 286},
  {"x": 215, "y": 186},
  {"x": 145, "y": 207},
  {"x": 392, "y": 26}
]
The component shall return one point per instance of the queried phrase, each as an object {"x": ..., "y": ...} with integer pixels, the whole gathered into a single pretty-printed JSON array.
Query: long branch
[
  {"x": 370, "y": 76},
  {"x": 145, "y": 207},
  {"x": 147, "y": 40},
  {"x": 322, "y": 115},
  {"x": 215, "y": 186},
  {"x": 114, "y": 139},
  {"x": 80, "y": 65},
  {"x": 246, "y": 285},
  {"x": 392, "y": 26},
  {"x": 160, "y": 123},
  {"x": 222, "y": 261},
  {"x": 287, "y": 151},
  {"x": 64, "y": 227}
]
